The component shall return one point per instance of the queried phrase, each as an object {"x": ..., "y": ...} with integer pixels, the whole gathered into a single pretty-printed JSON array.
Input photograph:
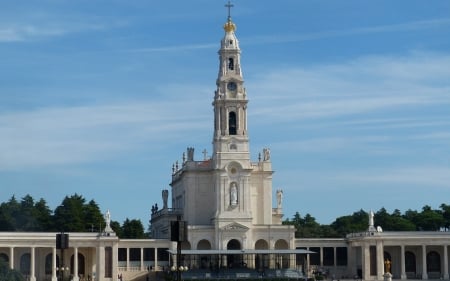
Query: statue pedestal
[{"x": 387, "y": 276}]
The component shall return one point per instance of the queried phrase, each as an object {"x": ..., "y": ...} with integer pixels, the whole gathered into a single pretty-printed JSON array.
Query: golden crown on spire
[{"x": 229, "y": 26}]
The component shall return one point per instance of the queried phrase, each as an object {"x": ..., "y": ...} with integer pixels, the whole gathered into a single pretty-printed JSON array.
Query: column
[
  {"x": 307, "y": 263},
  {"x": 380, "y": 260},
  {"x": 334, "y": 258},
  {"x": 128, "y": 259},
  {"x": 321, "y": 256},
  {"x": 402, "y": 262},
  {"x": 115, "y": 258},
  {"x": 54, "y": 278},
  {"x": 33, "y": 264},
  {"x": 100, "y": 270},
  {"x": 155, "y": 266},
  {"x": 75, "y": 264},
  {"x": 11, "y": 257},
  {"x": 424, "y": 262},
  {"x": 445, "y": 262},
  {"x": 366, "y": 262},
  {"x": 142, "y": 259}
]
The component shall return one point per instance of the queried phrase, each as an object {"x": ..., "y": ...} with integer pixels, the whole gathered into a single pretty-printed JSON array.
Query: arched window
[
  {"x": 25, "y": 262},
  {"x": 48, "y": 264},
  {"x": 81, "y": 265},
  {"x": 433, "y": 262},
  {"x": 410, "y": 262},
  {"x": 232, "y": 123},
  {"x": 234, "y": 260},
  {"x": 4, "y": 258}
]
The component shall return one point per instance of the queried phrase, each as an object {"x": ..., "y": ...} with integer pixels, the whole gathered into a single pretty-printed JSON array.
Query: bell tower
[{"x": 230, "y": 142}]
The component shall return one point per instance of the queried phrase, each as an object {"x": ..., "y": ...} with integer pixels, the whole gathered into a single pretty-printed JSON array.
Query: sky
[{"x": 352, "y": 97}]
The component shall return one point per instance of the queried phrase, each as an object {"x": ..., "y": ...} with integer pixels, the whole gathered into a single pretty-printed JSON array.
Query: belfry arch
[{"x": 232, "y": 123}]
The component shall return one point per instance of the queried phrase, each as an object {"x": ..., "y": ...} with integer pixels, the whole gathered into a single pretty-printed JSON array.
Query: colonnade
[{"x": 399, "y": 260}]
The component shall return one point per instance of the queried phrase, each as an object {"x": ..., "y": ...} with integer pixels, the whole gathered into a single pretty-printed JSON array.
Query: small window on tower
[
  {"x": 232, "y": 123},
  {"x": 231, "y": 64},
  {"x": 231, "y": 42}
]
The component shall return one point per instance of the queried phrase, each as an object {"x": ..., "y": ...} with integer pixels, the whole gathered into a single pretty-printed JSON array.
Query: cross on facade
[
  {"x": 205, "y": 154},
  {"x": 229, "y": 6}
]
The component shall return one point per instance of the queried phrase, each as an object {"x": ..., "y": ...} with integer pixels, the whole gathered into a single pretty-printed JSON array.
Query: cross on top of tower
[{"x": 229, "y": 6}]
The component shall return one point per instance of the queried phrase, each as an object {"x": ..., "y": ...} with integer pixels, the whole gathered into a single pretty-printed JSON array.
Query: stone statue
[
  {"x": 165, "y": 196},
  {"x": 371, "y": 216},
  {"x": 233, "y": 194},
  {"x": 279, "y": 198},
  {"x": 266, "y": 153},
  {"x": 108, "y": 219},
  {"x": 371, "y": 223},
  {"x": 108, "y": 228},
  {"x": 190, "y": 154}
]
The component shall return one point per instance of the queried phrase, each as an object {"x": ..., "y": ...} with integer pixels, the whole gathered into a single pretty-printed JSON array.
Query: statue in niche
[
  {"x": 233, "y": 194},
  {"x": 387, "y": 266},
  {"x": 279, "y": 198},
  {"x": 165, "y": 196},
  {"x": 266, "y": 153}
]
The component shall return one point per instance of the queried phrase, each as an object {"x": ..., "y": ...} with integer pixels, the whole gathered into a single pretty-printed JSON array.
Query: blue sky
[{"x": 100, "y": 98}]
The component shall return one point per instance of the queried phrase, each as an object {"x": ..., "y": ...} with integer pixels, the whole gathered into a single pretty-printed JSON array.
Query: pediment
[{"x": 235, "y": 227}]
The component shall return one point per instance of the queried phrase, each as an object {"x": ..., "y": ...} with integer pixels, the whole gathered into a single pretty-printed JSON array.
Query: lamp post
[
  {"x": 62, "y": 242},
  {"x": 178, "y": 233},
  {"x": 61, "y": 271}
]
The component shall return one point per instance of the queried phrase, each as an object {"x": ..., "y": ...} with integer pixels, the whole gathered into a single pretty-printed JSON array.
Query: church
[{"x": 227, "y": 225}]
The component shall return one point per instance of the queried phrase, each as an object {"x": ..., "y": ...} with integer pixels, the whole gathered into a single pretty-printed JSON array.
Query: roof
[{"x": 241, "y": 252}]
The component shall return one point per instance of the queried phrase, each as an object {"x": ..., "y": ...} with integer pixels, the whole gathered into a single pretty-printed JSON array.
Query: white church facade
[{"x": 233, "y": 229}]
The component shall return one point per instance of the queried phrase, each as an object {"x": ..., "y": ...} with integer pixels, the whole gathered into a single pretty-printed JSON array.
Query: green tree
[
  {"x": 357, "y": 222},
  {"x": 7, "y": 274},
  {"x": 69, "y": 216},
  {"x": 9, "y": 211},
  {"x": 445, "y": 211},
  {"x": 43, "y": 215},
  {"x": 306, "y": 227},
  {"x": 93, "y": 216},
  {"x": 132, "y": 229},
  {"x": 115, "y": 225},
  {"x": 429, "y": 219}
]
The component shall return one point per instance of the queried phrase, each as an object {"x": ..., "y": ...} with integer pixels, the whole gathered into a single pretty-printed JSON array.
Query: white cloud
[
  {"x": 400, "y": 27},
  {"x": 404, "y": 177},
  {"x": 364, "y": 85},
  {"x": 66, "y": 135}
]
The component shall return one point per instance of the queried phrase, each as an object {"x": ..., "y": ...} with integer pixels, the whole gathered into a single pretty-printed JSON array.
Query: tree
[
  {"x": 43, "y": 215},
  {"x": 69, "y": 216},
  {"x": 357, "y": 222},
  {"x": 132, "y": 229},
  {"x": 9, "y": 211},
  {"x": 445, "y": 211},
  {"x": 429, "y": 219},
  {"x": 93, "y": 217},
  {"x": 115, "y": 225},
  {"x": 305, "y": 227},
  {"x": 7, "y": 274}
]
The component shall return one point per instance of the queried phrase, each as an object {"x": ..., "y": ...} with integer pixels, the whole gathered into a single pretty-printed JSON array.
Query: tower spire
[
  {"x": 229, "y": 6},
  {"x": 230, "y": 102}
]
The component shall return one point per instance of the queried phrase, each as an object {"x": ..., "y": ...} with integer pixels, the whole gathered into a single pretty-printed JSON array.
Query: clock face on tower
[{"x": 231, "y": 86}]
